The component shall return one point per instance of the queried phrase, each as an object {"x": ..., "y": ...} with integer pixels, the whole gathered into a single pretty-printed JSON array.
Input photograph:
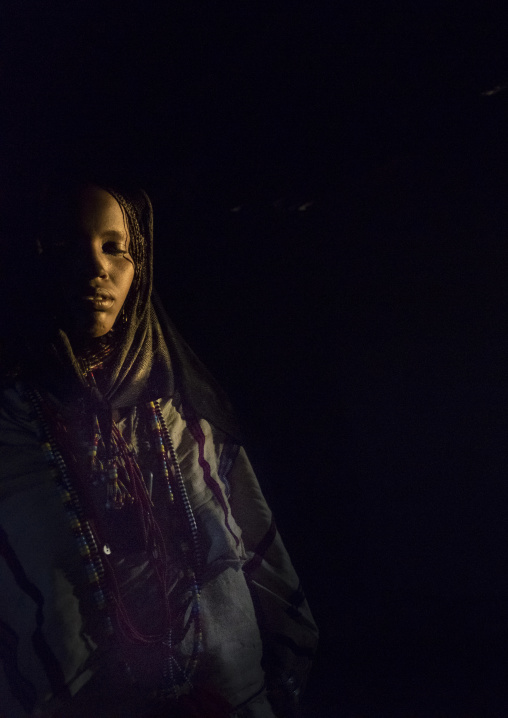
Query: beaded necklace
[
  {"x": 80, "y": 526},
  {"x": 169, "y": 458},
  {"x": 125, "y": 486},
  {"x": 89, "y": 359}
]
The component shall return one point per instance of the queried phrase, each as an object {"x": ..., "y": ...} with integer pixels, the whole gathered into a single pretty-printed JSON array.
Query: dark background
[{"x": 329, "y": 184}]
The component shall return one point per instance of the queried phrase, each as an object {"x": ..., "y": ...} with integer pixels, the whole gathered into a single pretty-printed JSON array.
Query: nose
[{"x": 92, "y": 263}]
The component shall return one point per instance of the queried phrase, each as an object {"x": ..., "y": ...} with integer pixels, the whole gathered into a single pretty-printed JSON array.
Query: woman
[{"x": 141, "y": 571}]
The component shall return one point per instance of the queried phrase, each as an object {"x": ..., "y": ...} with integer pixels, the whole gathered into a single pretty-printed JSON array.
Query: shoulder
[
  {"x": 17, "y": 413},
  {"x": 22, "y": 462}
]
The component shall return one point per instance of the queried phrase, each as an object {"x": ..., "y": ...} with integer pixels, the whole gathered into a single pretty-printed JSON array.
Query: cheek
[{"x": 126, "y": 282}]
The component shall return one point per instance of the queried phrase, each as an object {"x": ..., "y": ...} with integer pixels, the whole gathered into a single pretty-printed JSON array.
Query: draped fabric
[{"x": 45, "y": 595}]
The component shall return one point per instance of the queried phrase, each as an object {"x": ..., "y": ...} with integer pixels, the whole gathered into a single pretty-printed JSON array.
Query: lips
[{"x": 100, "y": 301}]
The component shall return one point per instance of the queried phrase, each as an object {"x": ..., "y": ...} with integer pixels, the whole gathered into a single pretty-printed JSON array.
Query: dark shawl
[{"x": 150, "y": 359}]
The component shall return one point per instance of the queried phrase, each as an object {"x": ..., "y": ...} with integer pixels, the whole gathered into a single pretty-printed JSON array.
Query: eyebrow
[{"x": 115, "y": 234}]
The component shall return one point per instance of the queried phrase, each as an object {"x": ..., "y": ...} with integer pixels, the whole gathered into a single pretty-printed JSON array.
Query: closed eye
[{"x": 113, "y": 248}]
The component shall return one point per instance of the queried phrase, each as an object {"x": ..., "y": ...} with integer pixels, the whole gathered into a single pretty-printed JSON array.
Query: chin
[
  {"x": 95, "y": 333},
  {"x": 93, "y": 330},
  {"x": 84, "y": 327}
]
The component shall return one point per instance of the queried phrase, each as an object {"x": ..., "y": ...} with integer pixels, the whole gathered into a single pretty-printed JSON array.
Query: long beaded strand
[
  {"x": 156, "y": 423},
  {"x": 87, "y": 546},
  {"x": 167, "y": 452}
]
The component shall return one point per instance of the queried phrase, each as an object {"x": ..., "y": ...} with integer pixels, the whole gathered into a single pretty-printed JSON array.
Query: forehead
[{"x": 90, "y": 210}]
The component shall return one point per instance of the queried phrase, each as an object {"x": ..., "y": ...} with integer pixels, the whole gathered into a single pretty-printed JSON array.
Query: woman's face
[{"x": 92, "y": 268}]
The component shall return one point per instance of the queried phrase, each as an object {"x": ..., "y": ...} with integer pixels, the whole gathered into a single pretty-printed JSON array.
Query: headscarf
[{"x": 150, "y": 359}]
